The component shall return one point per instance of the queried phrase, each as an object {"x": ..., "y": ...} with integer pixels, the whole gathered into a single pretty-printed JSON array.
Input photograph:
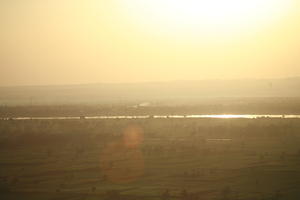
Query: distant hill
[{"x": 122, "y": 93}]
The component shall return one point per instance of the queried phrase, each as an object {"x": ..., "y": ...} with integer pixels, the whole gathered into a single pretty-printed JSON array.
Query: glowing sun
[{"x": 206, "y": 16}]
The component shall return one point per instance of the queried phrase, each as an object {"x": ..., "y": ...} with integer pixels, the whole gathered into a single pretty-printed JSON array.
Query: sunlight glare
[{"x": 194, "y": 16}]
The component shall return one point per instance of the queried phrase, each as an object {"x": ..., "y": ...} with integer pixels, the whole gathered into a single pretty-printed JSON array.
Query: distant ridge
[{"x": 148, "y": 91}]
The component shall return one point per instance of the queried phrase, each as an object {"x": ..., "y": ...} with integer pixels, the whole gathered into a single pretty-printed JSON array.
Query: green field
[{"x": 195, "y": 159}]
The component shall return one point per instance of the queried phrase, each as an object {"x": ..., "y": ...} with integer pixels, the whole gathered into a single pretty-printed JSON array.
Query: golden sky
[{"x": 88, "y": 41}]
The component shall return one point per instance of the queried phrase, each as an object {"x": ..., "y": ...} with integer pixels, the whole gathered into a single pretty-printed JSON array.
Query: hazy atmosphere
[
  {"x": 149, "y": 99},
  {"x": 73, "y": 42}
]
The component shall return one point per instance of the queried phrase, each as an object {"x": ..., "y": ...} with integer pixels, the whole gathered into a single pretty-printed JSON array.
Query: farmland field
[{"x": 150, "y": 159}]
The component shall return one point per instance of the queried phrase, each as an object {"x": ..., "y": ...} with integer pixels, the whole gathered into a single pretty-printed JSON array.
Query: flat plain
[{"x": 150, "y": 159}]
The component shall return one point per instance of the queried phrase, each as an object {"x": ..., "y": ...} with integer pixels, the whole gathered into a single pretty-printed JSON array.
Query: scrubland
[{"x": 150, "y": 159}]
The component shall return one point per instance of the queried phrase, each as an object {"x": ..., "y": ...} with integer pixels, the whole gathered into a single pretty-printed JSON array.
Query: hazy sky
[{"x": 87, "y": 41}]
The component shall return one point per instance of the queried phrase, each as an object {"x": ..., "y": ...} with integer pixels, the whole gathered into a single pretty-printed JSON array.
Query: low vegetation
[{"x": 150, "y": 159}]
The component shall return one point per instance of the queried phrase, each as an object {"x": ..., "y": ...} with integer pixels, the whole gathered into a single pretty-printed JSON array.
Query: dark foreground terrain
[{"x": 188, "y": 159}]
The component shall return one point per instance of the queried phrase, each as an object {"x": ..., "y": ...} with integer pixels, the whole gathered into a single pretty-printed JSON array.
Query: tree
[{"x": 166, "y": 195}]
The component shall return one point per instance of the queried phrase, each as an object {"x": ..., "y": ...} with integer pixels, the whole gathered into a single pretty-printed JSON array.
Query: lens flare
[{"x": 122, "y": 161}]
